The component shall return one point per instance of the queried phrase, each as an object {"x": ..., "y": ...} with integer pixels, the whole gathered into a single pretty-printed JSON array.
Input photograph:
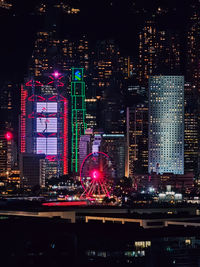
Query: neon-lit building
[
  {"x": 44, "y": 123},
  {"x": 78, "y": 115},
  {"x": 166, "y": 124}
]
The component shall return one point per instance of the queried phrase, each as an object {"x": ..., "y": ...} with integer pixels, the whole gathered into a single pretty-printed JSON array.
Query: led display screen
[
  {"x": 47, "y": 107},
  {"x": 47, "y": 146},
  {"x": 46, "y": 125}
]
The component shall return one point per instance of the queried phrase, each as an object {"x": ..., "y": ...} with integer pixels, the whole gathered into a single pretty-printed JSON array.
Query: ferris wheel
[{"x": 97, "y": 175}]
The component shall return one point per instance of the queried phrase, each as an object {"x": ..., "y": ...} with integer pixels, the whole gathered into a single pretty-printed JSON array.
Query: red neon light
[
  {"x": 23, "y": 119},
  {"x": 41, "y": 135},
  {"x": 50, "y": 82},
  {"x": 53, "y": 134},
  {"x": 31, "y": 116},
  {"x": 63, "y": 98},
  {"x": 31, "y": 98},
  {"x": 52, "y": 98},
  {"x": 41, "y": 98},
  {"x": 60, "y": 77},
  {"x": 51, "y": 158},
  {"x": 52, "y": 115},
  {"x": 65, "y": 140},
  {"x": 61, "y": 84},
  {"x": 40, "y": 115},
  {"x": 38, "y": 83},
  {"x": 69, "y": 203},
  {"x": 29, "y": 83},
  {"x": 9, "y": 136}
]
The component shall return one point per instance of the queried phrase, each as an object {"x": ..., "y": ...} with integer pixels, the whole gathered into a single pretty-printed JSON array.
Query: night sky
[{"x": 99, "y": 19}]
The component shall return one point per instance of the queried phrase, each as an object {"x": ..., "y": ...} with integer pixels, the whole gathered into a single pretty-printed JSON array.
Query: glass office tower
[{"x": 166, "y": 124}]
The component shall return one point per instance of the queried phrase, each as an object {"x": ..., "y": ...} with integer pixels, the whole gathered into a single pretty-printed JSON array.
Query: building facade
[
  {"x": 78, "y": 115},
  {"x": 114, "y": 146},
  {"x": 166, "y": 124},
  {"x": 44, "y": 123},
  {"x": 137, "y": 139}
]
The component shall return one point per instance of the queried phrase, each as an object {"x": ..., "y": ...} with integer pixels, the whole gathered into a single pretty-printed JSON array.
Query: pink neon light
[
  {"x": 60, "y": 77},
  {"x": 23, "y": 119},
  {"x": 56, "y": 74},
  {"x": 9, "y": 136},
  {"x": 65, "y": 136},
  {"x": 69, "y": 203},
  {"x": 95, "y": 174}
]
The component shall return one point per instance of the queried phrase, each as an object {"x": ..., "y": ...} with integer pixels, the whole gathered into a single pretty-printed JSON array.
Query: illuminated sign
[{"x": 77, "y": 75}]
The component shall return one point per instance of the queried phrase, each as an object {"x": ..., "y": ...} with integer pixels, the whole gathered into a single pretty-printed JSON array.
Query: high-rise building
[
  {"x": 166, "y": 124},
  {"x": 191, "y": 129},
  {"x": 78, "y": 114},
  {"x": 31, "y": 166},
  {"x": 6, "y": 153},
  {"x": 51, "y": 52},
  {"x": 114, "y": 145},
  {"x": 106, "y": 82},
  {"x": 193, "y": 49},
  {"x": 137, "y": 139},
  {"x": 193, "y": 71},
  {"x": 85, "y": 145},
  {"x": 159, "y": 52},
  {"x": 44, "y": 122}
]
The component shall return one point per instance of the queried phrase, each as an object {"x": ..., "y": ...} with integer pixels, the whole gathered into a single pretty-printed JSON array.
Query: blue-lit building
[{"x": 166, "y": 124}]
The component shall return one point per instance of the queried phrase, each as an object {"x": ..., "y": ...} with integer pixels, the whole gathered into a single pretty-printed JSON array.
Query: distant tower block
[{"x": 78, "y": 114}]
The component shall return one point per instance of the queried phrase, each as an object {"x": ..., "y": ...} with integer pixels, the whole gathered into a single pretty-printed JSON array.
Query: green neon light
[{"x": 78, "y": 108}]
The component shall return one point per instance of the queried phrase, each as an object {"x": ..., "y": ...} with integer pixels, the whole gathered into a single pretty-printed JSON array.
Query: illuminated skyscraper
[
  {"x": 191, "y": 129},
  {"x": 166, "y": 124},
  {"x": 44, "y": 123},
  {"x": 137, "y": 139},
  {"x": 78, "y": 114},
  {"x": 106, "y": 83},
  {"x": 193, "y": 73},
  {"x": 159, "y": 52},
  {"x": 193, "y": 50},
  {"x": 114, "y": 146}
]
